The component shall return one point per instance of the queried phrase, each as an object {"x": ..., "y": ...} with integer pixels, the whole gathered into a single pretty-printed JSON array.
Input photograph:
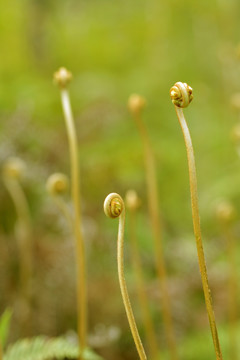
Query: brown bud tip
[
  {"x": 136, "y": 103},
  {"x": 57, "y": 184},
  {"x": 181, "y": 94},
  {"x": 14, "y": 168},
  {"x": 132, "y": 200},
  {"x": 225, "y": 212},
  {"x": 62, "y": 77}
]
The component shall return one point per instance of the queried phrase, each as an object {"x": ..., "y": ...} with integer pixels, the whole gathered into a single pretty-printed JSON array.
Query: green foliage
[
  {"x": 43, "y": 348},
  {"x": 4, "y": 326}
]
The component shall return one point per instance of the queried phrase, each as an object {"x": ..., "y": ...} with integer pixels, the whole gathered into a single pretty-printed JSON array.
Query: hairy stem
[{"x": 197, "y": 230}]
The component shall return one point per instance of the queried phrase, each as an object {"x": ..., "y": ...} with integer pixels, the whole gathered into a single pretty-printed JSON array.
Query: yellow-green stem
[
  {"x": 154, "y": 212},
  {"x": 147, "y": 319},
  {"x": 80, "y": 250},
  {"x": 197, "y": 230},
  {"x": 1, "y": 352},
  {"x": 23, "y": 234},
  {"x": 123, "y": 287},
  {"x": 233, "y": 291},
  {"x": 64, "y": 210}
]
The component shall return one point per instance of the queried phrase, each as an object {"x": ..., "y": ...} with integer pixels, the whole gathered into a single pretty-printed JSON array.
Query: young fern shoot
[
  {"x": 132, "y": 204},
  {"x": 136, "y": 104},
  {"x": 114, "y": 207},
  {"x": 13, "y": 171},
  {"x": 62, "y": 78},
  {"x": 181, "y": 96},
  {"x": 57, "y": 185},
  {"x": 226, "y": 214}
]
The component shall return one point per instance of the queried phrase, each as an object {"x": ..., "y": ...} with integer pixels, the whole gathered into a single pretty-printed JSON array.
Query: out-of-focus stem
[
  {"x": 147, "y": 319},
  {"x": 23, "y": 234},
  {"x": 64, "y": 210},
  {"x": 80, "y": 250},
  {"x": 154, "y": 212},
  {"x": 233, "y": 292}
]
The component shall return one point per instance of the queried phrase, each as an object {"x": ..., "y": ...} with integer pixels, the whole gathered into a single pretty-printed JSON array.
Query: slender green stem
[
  {"x": 64, "y": 210},
  {"x": 147, "y": 319},
  {"x": 114, "y": 207},
  {"x": 23, "y": 232},
  {"x": 154, "y": 212},
  {"x": 197, "y": 230},
  {"x": 80, "y": 250},
  {"x": 233, "y": 290}
]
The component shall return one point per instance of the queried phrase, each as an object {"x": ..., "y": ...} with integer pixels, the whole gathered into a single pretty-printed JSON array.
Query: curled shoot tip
[
  {"x": 57, "y": 184},
  {"x": 181, "y": 94},
  {"x": 14, "y": 168},
  {"x": 62, "y": 77},
  {"x": 113, "y": 205}
]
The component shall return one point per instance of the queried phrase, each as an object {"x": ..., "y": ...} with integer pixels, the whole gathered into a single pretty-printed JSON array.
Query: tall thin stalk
[
  {"x": 136, "y": 104},
  {"x": 12, "y": 173},
  {"x": 62, "y": 78},
  {"x": 132, "y": 203},
  {"x": 114, "y": 207},
  {"x": 226, "y": 214},
  {"x": 181, "y": 95}
]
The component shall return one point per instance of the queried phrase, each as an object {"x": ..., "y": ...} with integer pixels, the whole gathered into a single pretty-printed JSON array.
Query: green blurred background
[{"x": 115, "y": 48}]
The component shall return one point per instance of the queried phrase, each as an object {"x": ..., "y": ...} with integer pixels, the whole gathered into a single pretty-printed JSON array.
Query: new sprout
[
  {"x": 181, "y": 96},
  {"x": 62, "y": 78},
  {"x": 114, "y": 207}
]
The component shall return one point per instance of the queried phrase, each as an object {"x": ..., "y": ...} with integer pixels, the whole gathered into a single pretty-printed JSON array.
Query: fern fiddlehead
[{"x": 114, "y": 208}]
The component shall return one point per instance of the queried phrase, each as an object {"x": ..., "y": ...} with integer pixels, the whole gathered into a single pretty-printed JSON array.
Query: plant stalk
[
  {"x": 197, "y": 230},
  {"x": 123, "y": 287},
  {"x": 80, "y": 249},
  {"x": 147, "y": 319},
  {"x": 157, "y": 234}
]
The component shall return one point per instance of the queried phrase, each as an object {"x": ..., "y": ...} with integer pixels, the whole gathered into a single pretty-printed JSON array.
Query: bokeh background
[{"x": 114, "y": 49}]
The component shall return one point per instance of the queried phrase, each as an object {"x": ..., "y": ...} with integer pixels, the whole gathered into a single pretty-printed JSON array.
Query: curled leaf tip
[
  {"x": 14, "y": 168},
  {"x": 113, "y": 205},
  {"x": 62, "y": 77},
  {"x": 181, "y": 94},
  {"x": 57, "y": 184},
  {"x": 136, "y": 103}
]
